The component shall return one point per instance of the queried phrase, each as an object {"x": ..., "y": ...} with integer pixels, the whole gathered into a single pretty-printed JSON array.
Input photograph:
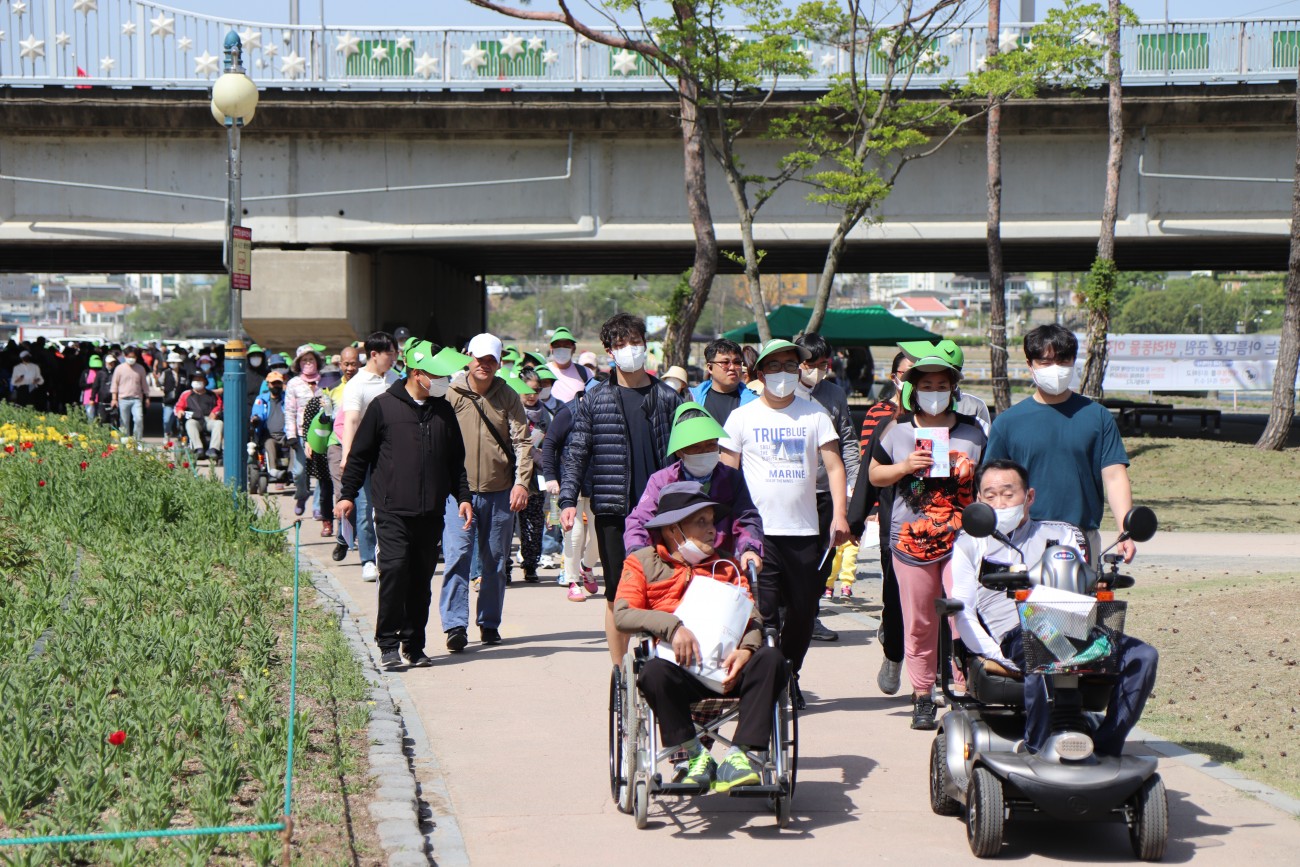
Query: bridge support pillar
[{"x": 335, "y": 297}]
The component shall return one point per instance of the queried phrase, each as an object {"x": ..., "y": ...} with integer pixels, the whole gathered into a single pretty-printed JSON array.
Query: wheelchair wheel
[
  {"x": 641, "y": 803},
  {"x": 630, "y": 736},
  {"x": 262, "y": 484},
  {"x": 940, "y": 801},
  {"x": 618, "y": 763},
  {"x": 1148, "y": 829},
  {"x": 790, "y": 738},
  {"x": 985, "y": 814}
]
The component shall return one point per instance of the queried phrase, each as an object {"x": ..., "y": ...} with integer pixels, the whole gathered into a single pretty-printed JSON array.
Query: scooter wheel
[
  {"x": 1149, "y": 829},
  {"x": 985, "y": 814},
  {"x": 940, "y": 801}
]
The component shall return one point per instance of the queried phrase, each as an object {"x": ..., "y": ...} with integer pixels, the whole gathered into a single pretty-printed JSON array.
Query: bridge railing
[{"x": 143, "y": 43}]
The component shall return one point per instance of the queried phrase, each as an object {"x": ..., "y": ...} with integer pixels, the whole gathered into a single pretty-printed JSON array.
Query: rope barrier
[{"x": 285, "y": 827}]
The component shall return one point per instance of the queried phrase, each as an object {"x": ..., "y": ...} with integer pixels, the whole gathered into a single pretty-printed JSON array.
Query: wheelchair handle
[
  {"x": 769, "y": 631},
  {"x": 1005, "y": 581}
]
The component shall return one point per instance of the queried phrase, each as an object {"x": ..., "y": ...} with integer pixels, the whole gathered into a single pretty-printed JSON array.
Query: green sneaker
[
  {"x": 735, "y": 770},
  {"x": 700, "y": 770}
]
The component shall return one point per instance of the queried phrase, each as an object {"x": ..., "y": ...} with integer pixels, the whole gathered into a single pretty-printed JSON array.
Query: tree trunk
[
  {"x": 754, "y": 280},
  {"x": 681, "y": 326},
  {"x": 1282, "y": 412},
  {"x": 1099, "y": 310},
  {"x": 830, "y": 268},
  {"x": 997, "y": 280}
]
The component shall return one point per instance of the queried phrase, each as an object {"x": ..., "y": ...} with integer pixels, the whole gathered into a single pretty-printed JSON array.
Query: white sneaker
[
  {"x": 562, "y": 580},
  {"x": 369, "y": 572},
  {"x": 889, "y": 676}
]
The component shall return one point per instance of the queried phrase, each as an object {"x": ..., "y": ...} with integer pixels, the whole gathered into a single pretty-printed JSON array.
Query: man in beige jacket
[{"x": 499, "y": 464}]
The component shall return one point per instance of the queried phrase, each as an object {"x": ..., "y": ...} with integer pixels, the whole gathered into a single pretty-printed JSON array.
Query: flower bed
[{"x": 144, "y": 657}]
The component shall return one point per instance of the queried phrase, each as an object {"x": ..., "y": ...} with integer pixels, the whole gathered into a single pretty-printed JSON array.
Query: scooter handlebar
[{"x": 1005, "y": 581}]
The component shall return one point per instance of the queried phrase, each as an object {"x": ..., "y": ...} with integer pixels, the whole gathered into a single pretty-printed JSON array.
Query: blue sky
[{"x": 461, "y": 13}]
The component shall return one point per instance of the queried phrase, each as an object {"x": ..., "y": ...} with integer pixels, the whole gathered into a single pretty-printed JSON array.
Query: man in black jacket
[
  {"x": 620, "y": 431},
  {"x": 410, "y": 442}
]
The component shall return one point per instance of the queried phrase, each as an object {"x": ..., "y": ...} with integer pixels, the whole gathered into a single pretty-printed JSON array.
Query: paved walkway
[{"x": 519, "y": 734}]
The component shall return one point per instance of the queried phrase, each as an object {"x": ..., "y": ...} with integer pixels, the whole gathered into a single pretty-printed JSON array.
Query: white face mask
[
  {"x": 254, "y": 362},
  {"x": 780, "y": 384},
  {"x": 438, "y": 386},
  {"x": 1010, "y": 518},
  {"x": 691, "y": 553},
  {"x": 198, "y": 386},
  {"x": 562, "y": 354},
  {"x": 545, "y": 393},
  {"x": 810, "y": 378},
  {"x": 630, "y": 358},
  {"x": 933, "y": 402},
  {"x": 1053, "y": 380},
  {"x": 130, "y": 360},
  {"x": 701, "y": 466}
]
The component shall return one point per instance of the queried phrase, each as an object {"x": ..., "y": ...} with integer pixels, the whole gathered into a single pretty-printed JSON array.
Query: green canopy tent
[{"x": 852, "y": 326}]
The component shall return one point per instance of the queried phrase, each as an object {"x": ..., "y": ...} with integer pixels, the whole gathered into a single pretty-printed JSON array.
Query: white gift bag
[{"x": 717, "y": 613}]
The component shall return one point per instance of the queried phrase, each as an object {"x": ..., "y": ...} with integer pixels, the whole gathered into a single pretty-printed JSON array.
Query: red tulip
[
  {"x": 41, "y": 483},
  {"x": 28, "y": 445},
  {"x": 186, "y": 465},
  {"x": 40, "y": 460},
  {"x": 9, "y": 450},
  {"x": 171, "y": 466},
  {"x": 117, "y": 738},
  {"x": 170, "y": 443},
  {"x": 84, "y": 465}
]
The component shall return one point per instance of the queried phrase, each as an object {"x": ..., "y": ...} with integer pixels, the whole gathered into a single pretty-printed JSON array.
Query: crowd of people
[{"x": 421, "y": 452}]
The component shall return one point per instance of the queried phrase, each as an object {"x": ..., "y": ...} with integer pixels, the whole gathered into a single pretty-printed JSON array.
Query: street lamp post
[
  {"x": 1200, "y": 312},
  {"x": 234, "y": 101}
]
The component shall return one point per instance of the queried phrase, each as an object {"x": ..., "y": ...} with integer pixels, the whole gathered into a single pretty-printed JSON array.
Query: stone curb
[
  {"x": 1166, "y": 749},
  {"x": 399, "y": 808}
]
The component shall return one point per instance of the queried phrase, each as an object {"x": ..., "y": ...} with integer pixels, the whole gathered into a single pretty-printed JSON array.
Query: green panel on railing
[
  {"x": 644, "y": 66},
  {"x": 1177, "y": 52},
  {"x": 498, "y": 64},
  {"x": 391, "y": 60},
  {"x": 1286, "y": 49},
  {"x": 905, "y": 58}
]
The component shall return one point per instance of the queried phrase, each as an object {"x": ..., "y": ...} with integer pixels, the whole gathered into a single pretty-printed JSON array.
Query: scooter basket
[{"x": 1072, "y": 638}]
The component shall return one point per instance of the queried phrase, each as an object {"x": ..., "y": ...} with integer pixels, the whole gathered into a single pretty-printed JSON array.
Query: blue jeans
[
  {"x": 494, "y": 522},
  {"x": 92, "y": 411},
  {"x": 169, "y": 413},
  {"x": 132, "y": 411},
  {"x": 365, "y": 524}
]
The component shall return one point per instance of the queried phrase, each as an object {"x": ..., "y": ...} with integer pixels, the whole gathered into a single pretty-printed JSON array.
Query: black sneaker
[
  {"x": 923, "y": 713},
  {"x": 340, "y": 551},
  {"x": 796, "y": 696},
  {"x": 391, "y": 660},
  {"x": 531, "y": 578},
  {"x": 457, "y": 639},
  {"x": 489, "y": 636},
  {"x": 200, "y": 454},
  {"x": 821, "y": 633},
  {"x": 416, "y": 659}
]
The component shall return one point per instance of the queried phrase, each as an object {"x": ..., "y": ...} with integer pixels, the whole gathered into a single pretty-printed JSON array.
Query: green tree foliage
[
  {"x": 1182, "y": 305},
  {"x": 184, "y": 314}
]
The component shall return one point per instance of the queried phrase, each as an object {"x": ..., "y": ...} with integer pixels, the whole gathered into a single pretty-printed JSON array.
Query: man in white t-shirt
[
  {"x": 367, "y": 384},
  {"x": 777, "y": 441},
  {"x": 570, "y": 379}
]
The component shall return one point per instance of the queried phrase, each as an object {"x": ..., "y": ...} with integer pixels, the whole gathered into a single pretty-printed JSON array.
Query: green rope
[{"x": 105, "y": 836}]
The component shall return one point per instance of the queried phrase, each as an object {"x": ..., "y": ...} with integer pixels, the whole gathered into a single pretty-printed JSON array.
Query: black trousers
[
  {"x": 890, "y": 633},
  {"x": 788, "y": 580},
  {"x": 532, "y": 521},
  {"x": 609, "y": 542},
  {"x": 669, "y": 689},
  {"x": 408, "y": 556},
  {"x": 825, "y": 511}
]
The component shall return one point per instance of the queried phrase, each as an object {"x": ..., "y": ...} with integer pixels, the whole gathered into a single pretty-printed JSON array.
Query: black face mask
[{"x": 276, "y": 391}]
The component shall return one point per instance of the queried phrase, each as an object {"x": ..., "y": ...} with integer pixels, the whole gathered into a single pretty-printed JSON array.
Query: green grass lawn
[
  {"x": 1206, "y": 485},
  {"x": 144, "y": 662}
]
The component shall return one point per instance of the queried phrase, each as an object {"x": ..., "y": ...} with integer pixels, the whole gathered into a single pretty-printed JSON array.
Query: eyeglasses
[
  {"x": 722, "y": 363},
  {"x": 778, "y": 367}
]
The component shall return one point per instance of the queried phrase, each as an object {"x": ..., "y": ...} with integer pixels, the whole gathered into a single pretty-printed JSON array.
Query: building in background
[{"x": 106, "y": 319}]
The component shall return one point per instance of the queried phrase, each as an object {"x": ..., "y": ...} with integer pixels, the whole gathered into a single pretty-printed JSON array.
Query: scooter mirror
[
  {"x": 979, "y": 520},
  {"x": 1140, "y": 524}
]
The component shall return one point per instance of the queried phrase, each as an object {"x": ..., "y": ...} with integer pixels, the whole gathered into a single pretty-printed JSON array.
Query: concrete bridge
[{"x": 377, "y": 199}]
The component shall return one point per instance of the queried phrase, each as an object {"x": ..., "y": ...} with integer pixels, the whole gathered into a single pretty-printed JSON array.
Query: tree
[
  {"x": 993, "y": 229},
  {"x": 871, "y": 133},
  {"x": 1099, "y": 289},
  {"x": 1282, "y": 413},
  {"x": 688, "y": 302},
  {"x": 205, "y": 308}
]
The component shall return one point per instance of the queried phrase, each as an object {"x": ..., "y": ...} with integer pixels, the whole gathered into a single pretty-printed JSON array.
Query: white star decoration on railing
[
  {"x": 106, "y": 64},
  {"x": 184, "y": 44},
  {"x": 549, "y": 57},
  {"x": 379, "y": 53},
  {"x": 512, "y": 46},
  {"x": 426, "y": 65},
  {"x": 162, "y": 26},
  {"x": 250, "y": 38},
  {"x": 85, "y": 7},
  {"x": 405, "y": 43},
  {"x": 625, "y": 62},
  {"x": 474, "y": 57},
  {"x": 128, "y": 29},
  {"x": 19, "y": 9},
  {"x": 348, "y": 45},
  {"x": 62, "y": 39},
  {"x": 205, "y": 64},
  {"x": 32, "y": 48},
  {"x": 537, "y": 43},
  {"x": 292, "y": 65}
]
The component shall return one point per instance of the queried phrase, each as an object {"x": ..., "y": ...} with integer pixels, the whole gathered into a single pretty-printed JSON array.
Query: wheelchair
[
  {"x": 259, "y": 468},
  {"x": 637, "y": 760}
]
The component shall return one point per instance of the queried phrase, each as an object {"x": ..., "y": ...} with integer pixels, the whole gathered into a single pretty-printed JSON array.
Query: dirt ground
[{"x": 1229, "y": 681}]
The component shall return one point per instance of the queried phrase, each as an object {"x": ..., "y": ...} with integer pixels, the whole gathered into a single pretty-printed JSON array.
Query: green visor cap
[
  {"x": 319, "y": 432},
  {"x": 516, "y": 383},
  {"x": 779, "y": 345},
  {"x": 545, "y": 374},
  {"x": 535, "y": 357},
  {"x": 256, "y": 348},
  {"x": 319, "y": 347},
  {"x": 96, "y": 361},
  {"x": 510, "y": 355},
  {"x": 409, "y": 342},
  {"x": 420, "y": 356},
  {"x": 562, "y": 333},
  {"x": 698, "y": 427},
  {"x": 931, "y": 363},
  {"x": 945, "y": 349}
]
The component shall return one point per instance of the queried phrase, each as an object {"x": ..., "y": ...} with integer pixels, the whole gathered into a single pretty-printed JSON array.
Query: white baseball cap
[{"x": 484, "y": 345}]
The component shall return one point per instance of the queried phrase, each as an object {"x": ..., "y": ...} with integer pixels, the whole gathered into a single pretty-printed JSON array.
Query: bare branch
[{"x": 565, "y": 17}]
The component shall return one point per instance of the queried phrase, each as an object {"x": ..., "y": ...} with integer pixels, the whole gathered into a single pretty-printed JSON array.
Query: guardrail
[{"x": 141, "y": 43}]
